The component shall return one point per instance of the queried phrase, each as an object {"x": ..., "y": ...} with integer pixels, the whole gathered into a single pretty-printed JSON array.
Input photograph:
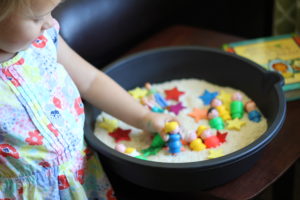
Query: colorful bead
[
  {"x": 161, "y": 100},
  {"x": 212, "y": 141},
  {"x": 254, "y": 116},
  {"x": 217, "y": 123},
  {"x": 197, "y": 145},
  {"x": 237, "y": 106}
]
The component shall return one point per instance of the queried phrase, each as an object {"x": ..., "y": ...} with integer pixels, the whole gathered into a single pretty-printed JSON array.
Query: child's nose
[{"x": 49, "y": 22}]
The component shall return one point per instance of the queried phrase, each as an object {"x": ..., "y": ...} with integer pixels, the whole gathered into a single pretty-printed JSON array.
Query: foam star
[
  {"x": 173, "y": 94},
  {"x": 215, "y": 153},
  {"x": 198, "y": 114},
  {"x": 138, "y": 93},
  {"x": 120, "y": 134},
  {"x": 222, "y": 136},
  {"x": 235, "y": 124},
  {"x": 207, "y": 96},
  {"x": 225, "y": 98},
  {"x": 176, "y": 108},
  {"x": 108, "y": 124}
]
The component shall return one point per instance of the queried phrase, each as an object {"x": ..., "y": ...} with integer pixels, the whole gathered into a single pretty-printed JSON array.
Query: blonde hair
[
  {"x": 201, "y": 129},
  {"x": 171, "y": 126},
  {"x": 9, "y": 6}
]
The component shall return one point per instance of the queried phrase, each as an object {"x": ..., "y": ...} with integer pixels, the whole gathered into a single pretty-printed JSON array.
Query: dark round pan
[{"x": 215, "y": 66}]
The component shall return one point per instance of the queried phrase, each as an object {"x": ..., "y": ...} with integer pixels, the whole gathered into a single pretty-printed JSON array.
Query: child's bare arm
[{"x": 104, "y": 93}]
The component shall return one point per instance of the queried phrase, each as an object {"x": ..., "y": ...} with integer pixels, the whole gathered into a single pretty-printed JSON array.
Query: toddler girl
[{"x": 42, "y": 150}]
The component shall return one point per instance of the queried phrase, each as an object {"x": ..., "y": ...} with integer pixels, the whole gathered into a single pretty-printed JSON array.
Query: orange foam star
[{"x": 198, "y": 114}]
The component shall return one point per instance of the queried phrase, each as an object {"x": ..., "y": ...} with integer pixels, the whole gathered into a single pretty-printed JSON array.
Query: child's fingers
[
  {"x": 165, "y": 118},
  {"x": 155, "y": 122}
]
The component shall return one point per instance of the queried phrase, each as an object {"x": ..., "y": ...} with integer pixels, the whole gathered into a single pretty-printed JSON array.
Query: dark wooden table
[{"x": 276, "y": 158}]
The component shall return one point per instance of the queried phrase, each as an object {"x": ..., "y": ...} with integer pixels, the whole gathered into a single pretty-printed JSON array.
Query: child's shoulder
[
  {"x": 46, "y": 43},
  {"x": 53, "y": 32}
]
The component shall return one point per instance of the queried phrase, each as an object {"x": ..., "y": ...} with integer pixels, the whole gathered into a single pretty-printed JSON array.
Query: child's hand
[{"x": 155, "y": 122}]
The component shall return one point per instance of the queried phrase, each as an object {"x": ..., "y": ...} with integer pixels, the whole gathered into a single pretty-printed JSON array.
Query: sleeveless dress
[{"x": 43, "y": 155}]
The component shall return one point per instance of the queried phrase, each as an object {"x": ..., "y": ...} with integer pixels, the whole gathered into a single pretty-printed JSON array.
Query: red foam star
[
  {"x": 120, "y": 134},
  {"x": 222, "y": 136},
  {"x": 173, "y": 94}
]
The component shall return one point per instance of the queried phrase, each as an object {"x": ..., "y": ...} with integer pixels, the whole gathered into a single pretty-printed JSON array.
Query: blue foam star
[{"x": 207, "y": 96}]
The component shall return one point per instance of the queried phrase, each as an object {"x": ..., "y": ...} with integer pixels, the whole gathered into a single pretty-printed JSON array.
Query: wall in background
[{"x": 248, "y": 19}]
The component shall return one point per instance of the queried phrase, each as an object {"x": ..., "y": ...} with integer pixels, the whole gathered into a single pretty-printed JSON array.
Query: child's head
[{"x": 22, "y": 21}]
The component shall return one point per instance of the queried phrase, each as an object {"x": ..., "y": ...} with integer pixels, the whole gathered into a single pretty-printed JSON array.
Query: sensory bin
[{"x": 209, "y": 128}]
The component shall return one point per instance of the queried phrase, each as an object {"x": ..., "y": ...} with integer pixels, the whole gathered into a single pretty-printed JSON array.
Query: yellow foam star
[
  {"x": 225, "y": 98},
  {"x": 215, "y": 153},
  {"x": 108, "y": 124},
  {"x": 235, "y": 124},
  {"x": 138, "y": 93}
]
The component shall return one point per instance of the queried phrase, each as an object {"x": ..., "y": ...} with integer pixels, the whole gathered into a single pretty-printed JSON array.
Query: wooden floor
[
  {"x": 268, "y": 194},
  {"x": 125, "y": 192}
]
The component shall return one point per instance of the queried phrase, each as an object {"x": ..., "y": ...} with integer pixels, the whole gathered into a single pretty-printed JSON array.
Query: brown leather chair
[{"x": 101, "y": 30}]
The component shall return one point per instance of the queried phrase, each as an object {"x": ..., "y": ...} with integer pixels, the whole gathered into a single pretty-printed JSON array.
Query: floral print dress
[{"x": 43, "y": 155}]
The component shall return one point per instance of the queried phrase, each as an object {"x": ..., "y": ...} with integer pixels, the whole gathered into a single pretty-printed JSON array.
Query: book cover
[{"x": 275, "y": 53}]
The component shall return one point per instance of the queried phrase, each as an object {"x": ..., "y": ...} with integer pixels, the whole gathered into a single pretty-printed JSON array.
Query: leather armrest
[{"x": 101, "y": 30}]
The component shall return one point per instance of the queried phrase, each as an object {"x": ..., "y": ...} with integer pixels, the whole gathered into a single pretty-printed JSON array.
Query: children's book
[{"x": 275, "y": 53}]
